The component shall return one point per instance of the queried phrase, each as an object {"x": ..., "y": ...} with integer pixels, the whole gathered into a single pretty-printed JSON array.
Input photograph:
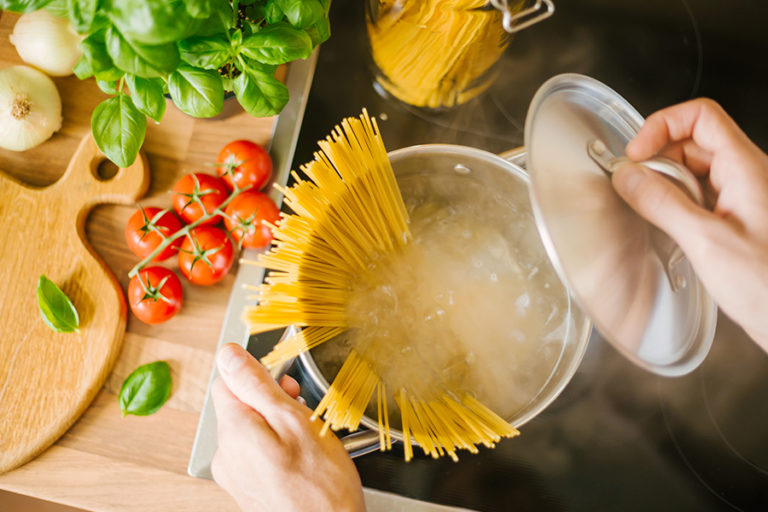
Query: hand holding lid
[{"x": 630, "y": 278}]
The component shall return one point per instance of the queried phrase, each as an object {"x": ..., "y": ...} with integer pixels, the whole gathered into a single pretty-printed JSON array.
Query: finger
[
  {"x": 661, "y": 202},
  {"x": 690, "y": 154},
  {"x": 701, "y": 119},
  {"x": 290, "y": 386},
  {"x": 251, "y": 383}
]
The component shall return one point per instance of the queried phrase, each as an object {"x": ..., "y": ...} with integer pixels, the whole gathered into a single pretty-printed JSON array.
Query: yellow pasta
[
  {"x": 436, "y": 53},
  {"x": 349, "y": 213}
]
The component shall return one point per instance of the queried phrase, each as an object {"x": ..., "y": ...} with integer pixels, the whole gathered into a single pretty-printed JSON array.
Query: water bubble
[
  {"x": 494, "y": 278},
  {"x": 461, "y": 169}
]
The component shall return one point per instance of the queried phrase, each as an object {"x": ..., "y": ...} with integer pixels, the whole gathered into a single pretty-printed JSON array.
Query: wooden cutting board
[
  {"x": 102, "y": 450},
  {"x": 47, "y": 379}
]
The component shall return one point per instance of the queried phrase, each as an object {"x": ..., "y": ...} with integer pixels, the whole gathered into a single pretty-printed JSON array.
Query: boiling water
[{"x": 471, "y": 303}]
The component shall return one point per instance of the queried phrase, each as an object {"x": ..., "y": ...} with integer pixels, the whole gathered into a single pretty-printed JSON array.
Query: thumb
[{"x": 660, "y": 201}]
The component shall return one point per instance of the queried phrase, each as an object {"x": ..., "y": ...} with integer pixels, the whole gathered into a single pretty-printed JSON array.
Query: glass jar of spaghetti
[{"x": 441, "y": 53}]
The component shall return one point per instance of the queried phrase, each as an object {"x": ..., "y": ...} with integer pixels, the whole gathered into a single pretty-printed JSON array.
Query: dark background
[{"x": 617, "y": 438}]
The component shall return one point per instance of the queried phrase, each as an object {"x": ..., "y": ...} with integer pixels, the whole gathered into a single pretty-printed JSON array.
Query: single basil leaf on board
[
  {"x": 301, "y": 13},
  {"x": 153, "y": 22},
  {"x": 58, "y": 311},
  {"x": 146, "y": 389},
  {"x": 145, "y": 61},
  {"x": 81, "y": 14},
  {"x": 197, "y": 92},
  {"x": 118, "y": 128},
  {"x": 260, "y": 94},
  {"x": 209, "y": 52},
  {"x": 277, "y": 44},
  {"x": 22, "y": 6},
  {"x": 147, "y": 95}
]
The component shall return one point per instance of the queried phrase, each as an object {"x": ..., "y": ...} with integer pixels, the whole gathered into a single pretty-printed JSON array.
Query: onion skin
[
  {"x": 46, "y": 42},
  {"x": 30, "y": 108}
]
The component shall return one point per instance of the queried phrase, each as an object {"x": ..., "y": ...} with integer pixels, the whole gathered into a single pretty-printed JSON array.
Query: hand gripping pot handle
[{"x": 357, "y": 443}]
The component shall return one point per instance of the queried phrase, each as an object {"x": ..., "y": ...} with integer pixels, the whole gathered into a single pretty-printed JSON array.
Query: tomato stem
[{"x": 168, "y": 240}]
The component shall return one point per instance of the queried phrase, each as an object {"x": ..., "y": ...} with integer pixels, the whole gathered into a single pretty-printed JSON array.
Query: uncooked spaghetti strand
[
  {"x": 402, "y": 403},
  {"x": 304, "y": 340}
]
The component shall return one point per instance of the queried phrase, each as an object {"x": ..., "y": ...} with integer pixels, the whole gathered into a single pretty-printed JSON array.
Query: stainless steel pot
[{"x": 508, "y": 175}]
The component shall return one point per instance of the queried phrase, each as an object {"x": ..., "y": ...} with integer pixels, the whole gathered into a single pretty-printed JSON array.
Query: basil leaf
[
  {"x": 146, "y": 389},
  {"x": 147, "y": 95},
  {"x": 82, "y": 69},
  {"x": 199, "y": 8},
  {"x": 205, "y": 52},
  {"x": 278, "y": 44},
  {"x": 108, "y": 86},
  {"x": 272, "y": 13},
  {"x": 99, "y": 61},
  {"x": 153, "y": 22},
  {"x": 81, "y": 14},
  {"x": 119, "y": 129},
  {"x": 145, "y": 61},
  {"x": 301, "y": 13},
  {"x": 260, "y": 94},
  {"x": 58, "y": 8},
  {"x": 255, "y": 14},
  {"x": 57, "y": 310},
  {"x": 197, "y": 92},
  {"x": 320, "y": 31},
  {"x": 22, "y": 6}
]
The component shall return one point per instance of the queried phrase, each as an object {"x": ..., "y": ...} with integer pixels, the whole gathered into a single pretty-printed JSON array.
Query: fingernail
[
  {"x": 231, "y": 358},
  {"x": 627, "y": 177}
]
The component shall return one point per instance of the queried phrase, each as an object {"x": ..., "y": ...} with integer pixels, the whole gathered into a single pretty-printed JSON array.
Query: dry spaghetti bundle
[
  {"x": 350, "y": 221},
  {"x": 436, "y": 53}
]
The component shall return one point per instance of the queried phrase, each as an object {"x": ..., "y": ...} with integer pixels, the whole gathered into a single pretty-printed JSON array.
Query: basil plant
[{"x": 195, "y": 51}]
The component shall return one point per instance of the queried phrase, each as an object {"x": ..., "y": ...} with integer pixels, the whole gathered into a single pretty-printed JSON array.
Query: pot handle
[
  {"x": 361, "y": 442},
  {"x": 357, "y": 443}
]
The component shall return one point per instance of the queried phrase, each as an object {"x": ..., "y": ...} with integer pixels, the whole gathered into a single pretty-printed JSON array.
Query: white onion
[
  {"x": 30, "y": 108},
  {"x": 47, "y": 42}
]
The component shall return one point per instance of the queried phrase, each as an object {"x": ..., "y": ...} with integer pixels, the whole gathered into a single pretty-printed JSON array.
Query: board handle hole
[{"x": 106, "y": 170}]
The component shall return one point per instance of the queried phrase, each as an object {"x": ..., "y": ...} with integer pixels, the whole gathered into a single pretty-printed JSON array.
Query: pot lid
[{"x": 629, "y": 277}]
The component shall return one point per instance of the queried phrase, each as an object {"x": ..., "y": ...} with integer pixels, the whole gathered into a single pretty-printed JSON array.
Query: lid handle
[{"x": 608, "y": 162}]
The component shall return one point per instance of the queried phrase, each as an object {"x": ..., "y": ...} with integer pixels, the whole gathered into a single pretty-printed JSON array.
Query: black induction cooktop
[{"x": 618, "y": 438}]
